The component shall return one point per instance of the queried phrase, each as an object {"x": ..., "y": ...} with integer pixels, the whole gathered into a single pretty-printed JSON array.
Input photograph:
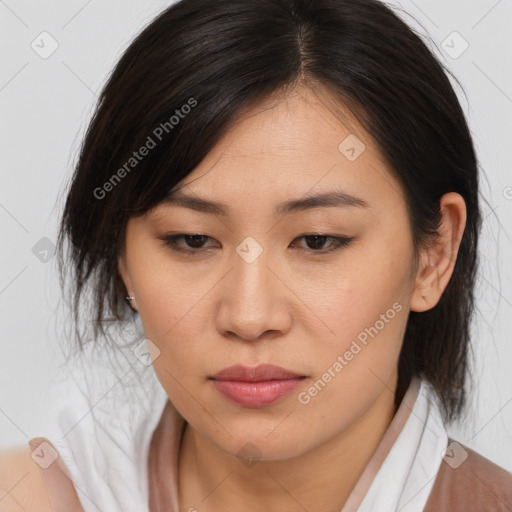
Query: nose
[{"x": 254, "y": 300}]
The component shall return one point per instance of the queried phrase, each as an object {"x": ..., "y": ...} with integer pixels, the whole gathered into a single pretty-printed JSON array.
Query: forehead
[{"x": 301, "y": 144}]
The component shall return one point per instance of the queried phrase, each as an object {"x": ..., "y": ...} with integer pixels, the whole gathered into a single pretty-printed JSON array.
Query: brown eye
[
  {"x": 316, "y": 242},
  {"x": 193, "y": 242}
]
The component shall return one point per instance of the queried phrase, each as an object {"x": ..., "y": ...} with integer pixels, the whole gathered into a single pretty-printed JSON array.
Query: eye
[
  {"x": 194, "y": 243},
  {"x": 317, "y": 241}
]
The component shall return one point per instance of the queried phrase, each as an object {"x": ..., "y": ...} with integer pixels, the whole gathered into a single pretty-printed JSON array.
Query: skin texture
[
  {"x": 22, "y": 486},
  {"x": 26, "y": 486},
  {"x": 291, "y": 306}
]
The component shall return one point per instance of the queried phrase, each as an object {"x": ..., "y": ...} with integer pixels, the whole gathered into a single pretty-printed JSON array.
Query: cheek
[
  {"x": 174, "y": 321},
  {"x": 358, "y": 295},
  {"x": 168, "y": 296},
  {"x": 170, "y": 311},
  {"x": 176, "y": 312},
  {"x": 365, "y": 306}
]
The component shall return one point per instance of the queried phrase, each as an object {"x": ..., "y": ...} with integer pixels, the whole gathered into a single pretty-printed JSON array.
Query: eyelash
[{"x": 339, "y": 242}]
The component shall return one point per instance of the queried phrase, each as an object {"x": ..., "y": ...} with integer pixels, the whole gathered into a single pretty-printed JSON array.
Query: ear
[{"x": 437, "y": 260}]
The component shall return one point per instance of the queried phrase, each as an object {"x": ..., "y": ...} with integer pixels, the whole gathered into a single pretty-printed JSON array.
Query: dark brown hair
[{"x": 226, "y": 56}]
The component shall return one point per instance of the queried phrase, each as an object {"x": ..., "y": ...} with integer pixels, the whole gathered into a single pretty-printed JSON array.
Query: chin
[{"x": 251, "y": 447}]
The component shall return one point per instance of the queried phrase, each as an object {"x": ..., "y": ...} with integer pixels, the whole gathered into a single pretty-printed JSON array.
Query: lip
[
  {"x": 256, "y": 386},
  {"x": 258, "y": 373}
]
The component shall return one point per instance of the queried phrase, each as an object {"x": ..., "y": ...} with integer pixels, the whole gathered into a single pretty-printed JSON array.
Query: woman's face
[{"x": 258, "y": 288}]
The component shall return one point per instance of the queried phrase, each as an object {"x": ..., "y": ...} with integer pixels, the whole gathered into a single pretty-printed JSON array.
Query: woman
[{"x": 285, "y": 194}]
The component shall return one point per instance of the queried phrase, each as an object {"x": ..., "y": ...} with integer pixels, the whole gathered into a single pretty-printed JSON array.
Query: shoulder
[
  {"x": 21, "y": 484},
  {"x": 468, "y": 481}
]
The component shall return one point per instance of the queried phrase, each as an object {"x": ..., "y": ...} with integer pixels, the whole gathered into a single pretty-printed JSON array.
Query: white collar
[{"x": 401, "y": 473}]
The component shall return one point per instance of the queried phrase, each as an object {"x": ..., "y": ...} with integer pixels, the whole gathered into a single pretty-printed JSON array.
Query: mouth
[{"x": 257, "y": 386}]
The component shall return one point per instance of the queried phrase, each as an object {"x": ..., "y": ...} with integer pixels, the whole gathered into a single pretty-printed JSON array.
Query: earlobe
[{"x": 437, "y": 260}]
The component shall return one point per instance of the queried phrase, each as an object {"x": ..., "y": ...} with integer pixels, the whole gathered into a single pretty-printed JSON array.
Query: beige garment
[
  {"x": 477, "y": 485},
  {"x": 162, "y": 472}
]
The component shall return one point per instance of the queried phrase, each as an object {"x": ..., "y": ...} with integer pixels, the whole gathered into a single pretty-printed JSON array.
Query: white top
[
  {"x": 103, "y": 431},
  {"x": 103, "y": 424}
]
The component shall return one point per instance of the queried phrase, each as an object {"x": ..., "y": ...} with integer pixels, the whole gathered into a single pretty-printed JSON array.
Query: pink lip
[{"x": 255, "y": 387}]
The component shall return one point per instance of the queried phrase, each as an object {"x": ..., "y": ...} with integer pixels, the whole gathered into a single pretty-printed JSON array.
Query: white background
[{"x": 45, "y": 106}]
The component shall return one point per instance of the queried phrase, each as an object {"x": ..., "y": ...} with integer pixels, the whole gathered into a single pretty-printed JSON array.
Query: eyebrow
[{"x": 335, "y": 198}]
